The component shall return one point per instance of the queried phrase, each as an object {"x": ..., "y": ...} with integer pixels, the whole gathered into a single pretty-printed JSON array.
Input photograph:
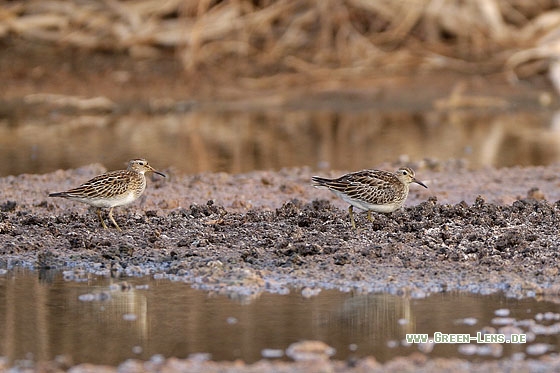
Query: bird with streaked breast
[
  {"x": 371, "y": 190},
  {"x": 112, "y": 189}
]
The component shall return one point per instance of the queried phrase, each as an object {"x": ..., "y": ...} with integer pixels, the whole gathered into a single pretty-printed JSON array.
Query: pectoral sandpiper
[
  {"x": 112, "y": 189},
  {"x": 371, "y": 190}
]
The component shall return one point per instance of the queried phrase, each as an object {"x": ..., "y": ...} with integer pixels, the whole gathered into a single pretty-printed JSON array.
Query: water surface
[
  {"x": 106, "y": 321},
  {"x": 237, "y": 141}
]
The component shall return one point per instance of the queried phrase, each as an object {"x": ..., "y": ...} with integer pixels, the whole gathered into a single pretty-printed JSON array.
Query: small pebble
[
  {"x": 103, "y": 296},
  {"x": 200, "y": 356},
  {"x": 502, "y": 312},
  {"x": 309, "y": 350},
  {"x": 503, "y": 320},
  {"x": 525, "y": 322},
  {"x": 418, "y": 294},
  {"x": 392, "y": 344},
  {"x": 530, "y": 337},
  {"x": 310, "y": 292},
  {"x": 467, "y": 321},
  {"x": 272, "y": 353},
  {"x": 537, "y": 348},
  {"x": 157, "y": 359},
  {"x": 426, "y": 347},
  {"x": 547, "y": 316},
  {"x": 467, "y": 349},
  {"x": 130, "y": 317},
  {"x": 508, "y": 330},
  {"x": 68, "y": 275},
  {"x": 86, "y": 297},
  {"x": 551, "y": 316},
  {"x": 539, "y": 317},
  {"x": 545, "y": 329},
  {"x": 137, "y": 350},
  {"x": 492, "y": 349},
  {"x": 283, "y": 290}
]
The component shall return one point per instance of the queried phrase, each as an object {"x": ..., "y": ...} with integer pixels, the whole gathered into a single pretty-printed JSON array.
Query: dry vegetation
[{"x": 289, "y": 39}]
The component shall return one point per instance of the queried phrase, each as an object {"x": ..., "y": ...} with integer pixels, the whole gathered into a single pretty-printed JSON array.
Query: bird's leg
[
  {"x": 351, "y": 213},
  {"x": 101, "y": 218},
  {"x": 113, "y": 220},
  {"x": 369, "y": 216}
]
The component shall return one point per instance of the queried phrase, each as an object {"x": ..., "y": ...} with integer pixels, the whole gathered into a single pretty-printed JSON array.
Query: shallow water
[
  {"x": 106, "y": 321},
  {"x": 345, "y": 138}
]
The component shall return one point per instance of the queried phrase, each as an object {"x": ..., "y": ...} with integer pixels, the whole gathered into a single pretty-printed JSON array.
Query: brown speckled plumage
[
  {"x": 109, "y": 185},
  {"x": 371, "y": 190},
  {"x": 112, "y": 189}
]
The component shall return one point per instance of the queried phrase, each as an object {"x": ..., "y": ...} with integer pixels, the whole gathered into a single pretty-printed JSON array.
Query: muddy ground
[
  {"x": 265, "y": 231},
  {"x": 480, "y": 231}
]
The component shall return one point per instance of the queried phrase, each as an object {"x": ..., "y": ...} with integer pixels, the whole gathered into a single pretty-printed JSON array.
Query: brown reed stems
[{"x": 318, "y": 39}]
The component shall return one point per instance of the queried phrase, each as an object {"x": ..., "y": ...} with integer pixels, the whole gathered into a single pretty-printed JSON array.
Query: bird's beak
[
  {"x": 156, "y": 172},
  {"x": 419, "y": 183}
]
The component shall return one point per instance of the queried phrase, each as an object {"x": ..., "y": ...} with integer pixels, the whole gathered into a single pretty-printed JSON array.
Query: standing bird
[
  {"x": 112, "y": 189},
  {"x": 371, "y": 190}
]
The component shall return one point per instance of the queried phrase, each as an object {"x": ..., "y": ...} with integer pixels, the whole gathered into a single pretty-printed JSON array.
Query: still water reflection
[
  {"x": 241, "y": 141},
  {"x": 105, "y": 321}
]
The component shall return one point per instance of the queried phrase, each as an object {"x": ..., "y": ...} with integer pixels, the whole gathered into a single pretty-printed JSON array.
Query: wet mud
[{"x": 480, "y": 231}]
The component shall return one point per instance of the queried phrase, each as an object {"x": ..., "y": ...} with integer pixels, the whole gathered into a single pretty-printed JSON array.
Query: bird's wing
[
  {"x": 111, "y": 183},
  {"x": 372, "y": 186}
]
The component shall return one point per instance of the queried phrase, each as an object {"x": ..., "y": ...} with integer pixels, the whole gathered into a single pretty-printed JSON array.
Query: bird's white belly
[
  {"x": 112, "y": 202},
  {"x": 386, "y": 208}
]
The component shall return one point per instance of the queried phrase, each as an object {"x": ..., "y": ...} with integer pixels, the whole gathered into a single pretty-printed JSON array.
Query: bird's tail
[
  {"x": 58, "y": 194},
  {"x": 320, "y": 181}
]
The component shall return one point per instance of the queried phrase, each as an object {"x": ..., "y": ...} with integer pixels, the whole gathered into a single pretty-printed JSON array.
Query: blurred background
[{"x": 241, "y": 85}]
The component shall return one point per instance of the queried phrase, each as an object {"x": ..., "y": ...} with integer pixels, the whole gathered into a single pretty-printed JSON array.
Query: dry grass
[{"x": 318, "y": 39}]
